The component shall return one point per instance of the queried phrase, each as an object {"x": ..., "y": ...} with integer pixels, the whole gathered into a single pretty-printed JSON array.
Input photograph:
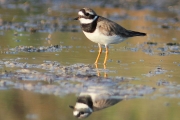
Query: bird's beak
[
  {"x": 77, "y": 18},
  {"x": 72, "y": 107}
]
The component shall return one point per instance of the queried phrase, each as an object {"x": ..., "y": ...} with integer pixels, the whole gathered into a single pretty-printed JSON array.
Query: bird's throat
[{"x": 90, "y": 27}]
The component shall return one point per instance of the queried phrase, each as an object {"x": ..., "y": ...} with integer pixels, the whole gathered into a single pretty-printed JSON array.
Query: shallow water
[{"x": 43, "y": 72}]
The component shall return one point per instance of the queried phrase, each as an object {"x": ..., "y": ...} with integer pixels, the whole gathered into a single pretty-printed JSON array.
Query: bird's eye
[
  {"x": 82, "y": 113},
  {"x": 87, "y": 14}
]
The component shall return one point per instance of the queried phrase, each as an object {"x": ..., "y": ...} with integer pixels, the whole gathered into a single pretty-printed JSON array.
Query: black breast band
[
  {"x": 86, "y": 100},
  {"x": 90, "y": 27}
]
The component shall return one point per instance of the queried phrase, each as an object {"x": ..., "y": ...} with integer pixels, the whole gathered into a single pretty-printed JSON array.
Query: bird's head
[
  {"x": 86, "y": 16},
  {"x": 81, "y": 110}
]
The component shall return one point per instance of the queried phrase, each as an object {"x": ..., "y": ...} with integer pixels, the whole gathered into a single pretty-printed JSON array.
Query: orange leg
[
  {"x": 106, "y": 55},
  {"x": 98, "y": 73},
  {"x": 100, "y": 51},
  {"x": 105, "y": 74}
]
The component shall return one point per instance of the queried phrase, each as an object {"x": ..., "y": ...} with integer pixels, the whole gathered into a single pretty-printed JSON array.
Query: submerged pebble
[{"x": 156, "y": 71}]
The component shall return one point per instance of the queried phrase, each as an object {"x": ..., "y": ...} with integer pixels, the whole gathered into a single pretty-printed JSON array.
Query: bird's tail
[{"x": 134, "y": 33}]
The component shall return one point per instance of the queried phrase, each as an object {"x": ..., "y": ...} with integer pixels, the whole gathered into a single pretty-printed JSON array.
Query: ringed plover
[{"x": 102, "y": 30}]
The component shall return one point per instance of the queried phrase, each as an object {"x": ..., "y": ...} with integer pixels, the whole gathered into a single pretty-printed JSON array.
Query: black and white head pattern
[{"x": 87, "y": 16}]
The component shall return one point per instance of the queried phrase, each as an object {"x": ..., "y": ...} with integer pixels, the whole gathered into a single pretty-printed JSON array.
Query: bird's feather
[
  {"x": 109, "y": 28},
  {"x": 104, "y": 103}
]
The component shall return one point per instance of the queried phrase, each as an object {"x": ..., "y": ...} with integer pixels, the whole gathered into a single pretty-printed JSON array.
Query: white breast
[{"x": 100, "y": 38}]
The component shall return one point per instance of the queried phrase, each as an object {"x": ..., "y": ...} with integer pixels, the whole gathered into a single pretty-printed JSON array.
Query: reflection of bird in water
[
  {"x": 98, "y": 72},
  {"x": 49, "y": 38},
  {"x": 93, "y": 99}
]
